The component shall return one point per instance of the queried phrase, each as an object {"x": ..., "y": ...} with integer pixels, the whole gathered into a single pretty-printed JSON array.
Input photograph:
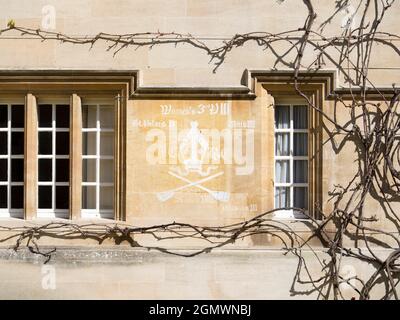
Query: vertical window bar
[
  {"x": 9, "y": 157},
  {"x": 98, "y": 158},
  {"x": 53, "y": 162},
  {"x": 291, "y": 126}
]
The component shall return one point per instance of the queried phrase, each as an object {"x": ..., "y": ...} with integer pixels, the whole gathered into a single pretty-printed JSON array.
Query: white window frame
[
  {"x": 10, "y": 212},
  {"x": 290, "y": 214},
  {"x": 53, "y": 212},
  {"x": 97, "y": 212}
]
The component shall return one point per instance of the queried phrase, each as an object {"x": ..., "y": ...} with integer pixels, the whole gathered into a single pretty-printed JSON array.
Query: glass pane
[
  {"x": 45, "y": 143},
  {"x": 89, "y": 170},
  {"x": 282, "y": 171},
  {"x": 62, "y": 170},
  {"x": 3, "y": 170},
  {"x": 3, "y": 115},
  {"x": 300, "y": 117},
  {"x": 62, "y": 143},
  {"x": 3, "y": 143},
  {"x": 282, "y": 197},
  {"x": 3, "y": 196},
  {"x": 89, "y": 116},
  {"x": 45, "y": 196},
  {"x": 62, "y": 116},
  {"x": 107, "y": 144},
  {"x": 17, "y": 143},
  {"x": 45, "y": 169},
  {"x": 300, "y": 168},
  {"x": 282, "y": 144},
  {"x": 106, "y": 198},
  {"x": 45, "y": 115},
  {"x": 300, "y": 144},
  {"x": 106, "y": 117},
  {"x": 62, "y": 197},
  {"x": 17, "y": 197},
  {"x": 88, "y": 197},
  {"x": 17, "y": 116},
  {"x": 17, "y": 170},
  {"x": 89, "y": 143},
  {"x": 106, "y": 171},
  {"x": 282, "y": 117},
  {"x": 300, "y": 198}
]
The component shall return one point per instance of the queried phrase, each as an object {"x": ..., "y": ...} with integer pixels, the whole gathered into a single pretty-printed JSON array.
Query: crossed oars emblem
[
  {"x": 193, "y": 139},
  {"x": 217, "y": 195}
]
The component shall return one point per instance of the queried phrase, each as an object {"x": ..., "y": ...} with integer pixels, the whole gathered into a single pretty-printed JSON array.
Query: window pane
[
  {"x": 62, "y": 116},
  {"x": 107, "y": 144},
  {"x": 89, "y": 143},
  {"x": 106, "y": 171},
  {"x": 17, "y": 170},
  {"x": 17, "y": 197},
  {"x": 300, "y": 117},
  {"x": 3, "y": 196},
  {"x": 107, "y": 117},
  {"x": 300, "y": 198},
  {"x": 282, "y": 144},
  {"x": 300, "y": 144},
  {"x": 3, "y": 170},
  {"x": 62, "y": 170},
  {"x": 45, "y": 196},
  {"x": 89, "y": 197},
  {"x": 300, "y": 168},
  {"x": 282, "y": 197},
  {"x": 89, "y": 116},
  {"x": 106, "y": 198},
  {"x": 45, "y": 169},
  {"x": 45, "y": 115},
  {"x": 17, "y": 143},
  {"x": 89, "y": 170},
  {"x": 62, "y": 197},
  {"x": 3, "y": 143},
  {"x": 17, "y": 116},
  {"x": 282, "y": 117},
  {"x": 282, "y": 171},
  {"x": 62, "y": 143},
  {"x": 45, "y": 143},
  {"x": 3, "y": 116}
]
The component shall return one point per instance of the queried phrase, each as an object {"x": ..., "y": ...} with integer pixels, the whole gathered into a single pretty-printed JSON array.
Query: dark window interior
[
  {"x": 45, "y": 141},
  {"x": 62, "y": 170},
  {"x": 3, "y": 196},
  {"x": 45, "y": 197},
  {"x": 62, "y": 197},
  {"x": 17, "y": 170},
  {"x": 17, "y": 116},
  {"x": 45, "y": 172},
  {"x": 17, "y": 197},
  {"x": 62, "y": 116},
  {"x": 45, "y": 115},
  {"x": 62, "y": 143},
  {"x": 17, "y": 143}
]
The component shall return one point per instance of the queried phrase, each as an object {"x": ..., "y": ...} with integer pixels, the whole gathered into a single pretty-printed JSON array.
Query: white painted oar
[
  {"x": 166, "y": 195},
  {"x": 217, "y": 195}
]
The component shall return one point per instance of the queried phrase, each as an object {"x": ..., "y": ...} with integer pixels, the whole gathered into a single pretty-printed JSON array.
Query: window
[
  {"x": 291, "y": 158},
  {"x": 53, "y": 160},
  {"x": 98, "y": 160},
  {"x": 12, "y": 119}
]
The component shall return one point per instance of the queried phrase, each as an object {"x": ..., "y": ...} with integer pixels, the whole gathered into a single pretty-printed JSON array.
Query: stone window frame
[
  {"x": 291, "y": 102},
  {"x": 75, "y": 85},
  {"x": 42, "y": 212},
  {"x": 271, "y": 86},
  {"x": 97, "y": 157},
  {"x": 9, "y": 211}
]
